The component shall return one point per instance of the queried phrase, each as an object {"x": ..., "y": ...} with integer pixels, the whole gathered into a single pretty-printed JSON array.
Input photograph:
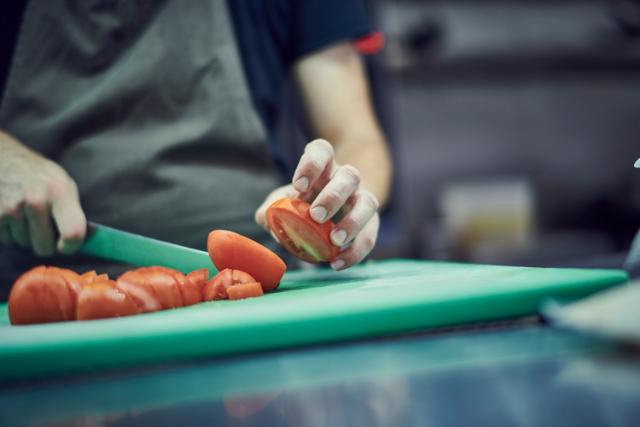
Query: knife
[{"x": 117, "y": 245}]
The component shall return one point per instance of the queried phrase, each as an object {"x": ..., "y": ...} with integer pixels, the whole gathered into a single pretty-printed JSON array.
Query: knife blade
[{"x": 121, "y": 246}]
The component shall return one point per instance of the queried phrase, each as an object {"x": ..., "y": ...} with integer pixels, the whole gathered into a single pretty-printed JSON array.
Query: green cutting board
[{"x": 310, "y": 307}]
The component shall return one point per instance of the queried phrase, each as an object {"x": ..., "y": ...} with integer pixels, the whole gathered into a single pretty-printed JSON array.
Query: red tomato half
[
  {"x": 299, "y": 233},
  {"x": 232, "y": 250}
]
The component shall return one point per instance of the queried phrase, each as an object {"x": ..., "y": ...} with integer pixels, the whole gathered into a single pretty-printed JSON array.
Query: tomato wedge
[
  {"x": 245, "y": 290},
  {"x": 216, "y": 288},
  {"x": 232, "y": 250},
  {"x": 291, "y": 221}
]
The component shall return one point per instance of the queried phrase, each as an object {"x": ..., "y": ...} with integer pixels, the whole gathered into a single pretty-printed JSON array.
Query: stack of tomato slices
[{"x": 246, "y": 269}]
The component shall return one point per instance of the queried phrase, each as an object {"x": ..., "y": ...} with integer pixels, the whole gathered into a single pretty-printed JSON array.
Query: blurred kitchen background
[{"x": 514, "y": 126}]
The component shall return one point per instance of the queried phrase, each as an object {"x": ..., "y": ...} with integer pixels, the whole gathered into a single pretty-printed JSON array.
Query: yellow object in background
[{"x": 488, "y": 214}]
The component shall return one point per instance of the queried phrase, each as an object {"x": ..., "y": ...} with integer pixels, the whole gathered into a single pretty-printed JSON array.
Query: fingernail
[
  {"x": 337, "y": 264},
  {"x": 637, "y": 165},
  {"x": 274, "y": 236},
  {"x": 318, "y": 213},
  {"x": 301, "y": 184},
  {"x": 339, "y": 236}
]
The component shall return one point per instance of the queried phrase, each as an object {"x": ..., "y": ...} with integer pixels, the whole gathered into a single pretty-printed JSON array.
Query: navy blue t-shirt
[{"x": 271, "y": 36}]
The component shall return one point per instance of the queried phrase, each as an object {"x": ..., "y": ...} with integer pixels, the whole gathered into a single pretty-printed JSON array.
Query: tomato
[
  {"x": 291, "y": 221},
  {"x": 189, "y": 286},
  {"x": 44, "y": 294},
  {"x": 88, "y": 276},
  {"x": 101, "y": 299},
  {"x": 199, "y": 277},
  {"x": 134, "y": 283},
  {"x": 218, "y": 287},
  {"x": 158, "y": 282},
  {"x": 244, "y": 290},
  {"x": 232, "y": 250}
]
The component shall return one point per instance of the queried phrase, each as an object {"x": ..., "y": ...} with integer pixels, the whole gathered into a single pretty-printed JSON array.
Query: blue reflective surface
[{"x": 527, "y": 375}]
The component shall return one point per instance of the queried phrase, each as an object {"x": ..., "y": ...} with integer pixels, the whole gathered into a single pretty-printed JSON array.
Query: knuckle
[
  {"x": 349, "y": 224},
  {"x": 368, "y": 242},
  {"x": 351, "y": 172},
  {"x": 36, "y": 201},
  {"x": 332, "y": 197},
  {"x": 58, "y": 186}
]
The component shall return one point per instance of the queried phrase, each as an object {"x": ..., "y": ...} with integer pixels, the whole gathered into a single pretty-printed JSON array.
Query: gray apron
[{"x": 145, "y": 104}]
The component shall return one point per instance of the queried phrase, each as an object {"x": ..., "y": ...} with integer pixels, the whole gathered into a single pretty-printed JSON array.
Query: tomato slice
[
  {"x": 101, "y": 299},
  {"x": 291, "y": 221},
  {"x": 217, "y": 288},
  {"x": 199, "y": 277},
  {"x": 245, "y": 290},
  {"x": 134, "y": 283},
  {"x": 44, "y": 294},
  {"x": 232, "y": 250},
  {"x": 161, "y": 283}
]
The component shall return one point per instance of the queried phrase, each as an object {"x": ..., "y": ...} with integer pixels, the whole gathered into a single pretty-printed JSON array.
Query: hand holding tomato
[{"x": 331, "y": 188}]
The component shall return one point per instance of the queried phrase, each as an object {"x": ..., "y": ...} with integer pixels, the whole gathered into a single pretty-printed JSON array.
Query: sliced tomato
[
  {"x": 232, "y": 250},
  {"x": 244, "y": 290},
  {"x": 134, "y": 283},
  {"x": 189, "y": 286},
  {"x": 216, "y": 288},
  {"x": 161, "y": 284},
  {"x": 101, "y": 299},
  {"x": 43, "y": 294},
  {"x": 291, "y": 221}
]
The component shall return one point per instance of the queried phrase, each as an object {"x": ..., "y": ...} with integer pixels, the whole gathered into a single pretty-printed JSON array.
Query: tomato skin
[
  {"x": 43, "y": 294},
  {"x": 101, "y": 299},
  {"x": 232, "y": 250},
  {"x": 291, "y": 221},
  {"x": 244, "y": 290},
  {"x": 218, "y": 287}
]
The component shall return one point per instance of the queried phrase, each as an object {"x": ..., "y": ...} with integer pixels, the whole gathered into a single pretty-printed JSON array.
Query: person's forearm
[{"x": 369, "y": 154}]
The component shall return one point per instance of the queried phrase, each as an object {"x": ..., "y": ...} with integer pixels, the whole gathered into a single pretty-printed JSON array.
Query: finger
[
  {"x": 69, "y": 220},
  {"x": 335, "y": 194},
  {"x": 360, "y": 248},
  {"x": 365, "y": 205},
  {"x": 40, "y": 225},
  {"x": 316, "y": 163},
  {"x": 277, "y": 194},
  {"x": 19, "y": 230}
]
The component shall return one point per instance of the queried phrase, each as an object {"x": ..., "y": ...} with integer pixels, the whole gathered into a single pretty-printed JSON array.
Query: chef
[{"x": 157, "y": 117}]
